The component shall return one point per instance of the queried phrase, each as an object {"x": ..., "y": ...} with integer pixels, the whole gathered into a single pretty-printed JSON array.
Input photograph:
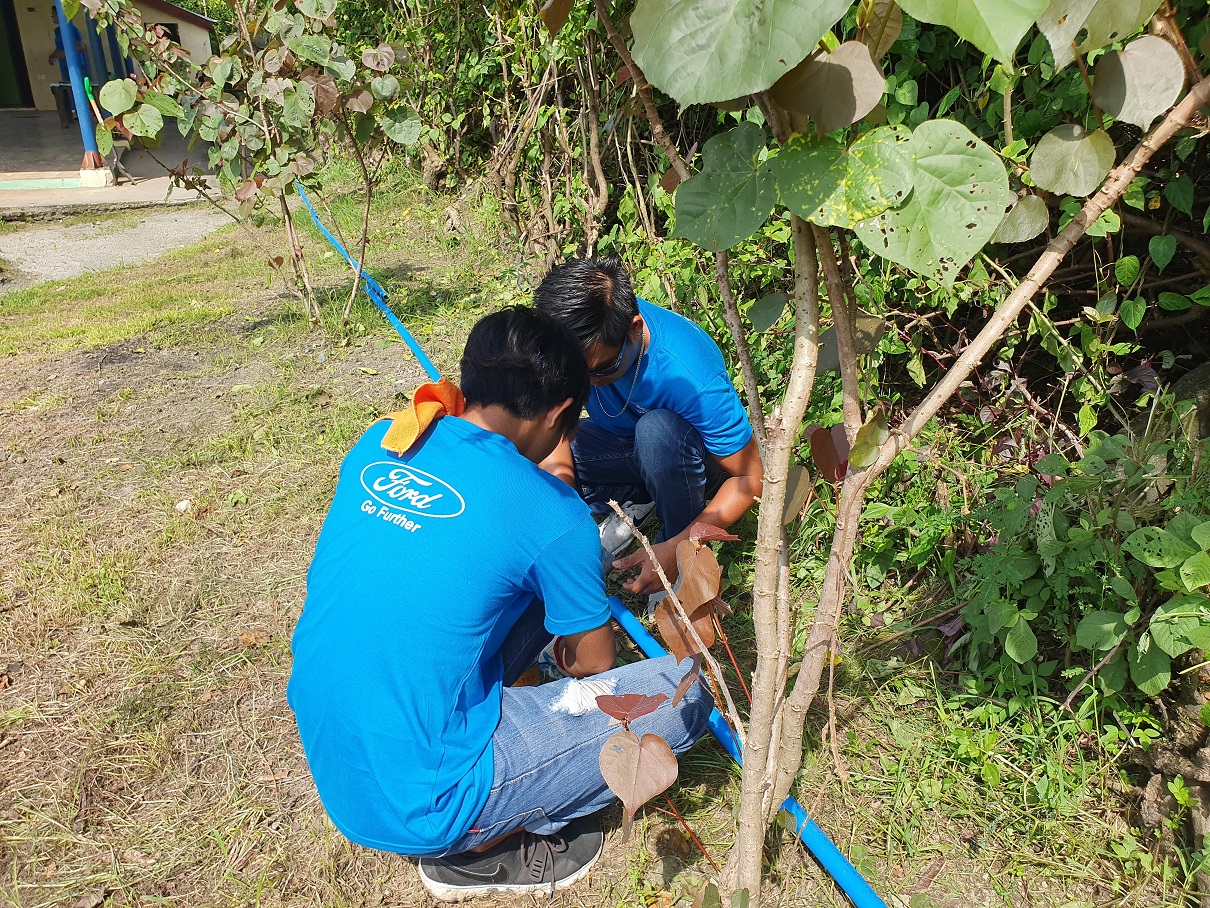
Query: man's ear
[
  {"x": 555, "y": 414},
  {"x": 636, "y": 328}
]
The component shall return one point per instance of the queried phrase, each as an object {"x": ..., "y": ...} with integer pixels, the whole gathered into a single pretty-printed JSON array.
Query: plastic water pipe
[
  {"x": 373, "y": 289},
  {"x": 852, "y": 883}
]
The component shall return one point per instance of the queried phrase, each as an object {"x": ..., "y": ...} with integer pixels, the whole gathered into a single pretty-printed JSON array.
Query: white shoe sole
[{"x": 443, "y": 892}]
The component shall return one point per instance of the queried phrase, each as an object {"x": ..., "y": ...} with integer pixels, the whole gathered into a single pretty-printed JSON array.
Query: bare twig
[
  {"x": 756, "y": 412},
  {"x": 1092, "y": 673}
]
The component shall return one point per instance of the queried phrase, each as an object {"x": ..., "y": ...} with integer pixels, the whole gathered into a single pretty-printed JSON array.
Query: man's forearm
[{"x": 732, "y": 501}]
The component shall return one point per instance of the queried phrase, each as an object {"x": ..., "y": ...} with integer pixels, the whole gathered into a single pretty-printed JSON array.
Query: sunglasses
[{"x": 602, "y": 373}]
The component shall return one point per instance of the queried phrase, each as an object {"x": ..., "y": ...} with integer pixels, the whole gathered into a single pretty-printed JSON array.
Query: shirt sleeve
[
  {"x": 716, "y": 411},
  {"x": 567, "y": 576}
]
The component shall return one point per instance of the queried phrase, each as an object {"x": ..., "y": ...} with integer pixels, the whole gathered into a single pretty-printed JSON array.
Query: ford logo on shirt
[{"x": 408, "y": 489}]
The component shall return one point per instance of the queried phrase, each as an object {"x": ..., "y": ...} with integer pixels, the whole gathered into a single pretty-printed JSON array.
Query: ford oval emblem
[{"x": 414, "y": 491}]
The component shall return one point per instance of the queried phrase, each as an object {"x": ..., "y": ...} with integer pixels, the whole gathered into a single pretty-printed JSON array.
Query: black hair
[
  {"x": 526, "y": 362},
  {"x": 592, "y": 297}
]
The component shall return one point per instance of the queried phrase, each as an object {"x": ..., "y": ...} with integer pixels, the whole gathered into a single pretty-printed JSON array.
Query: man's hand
[{"x": 647, "y": 580}]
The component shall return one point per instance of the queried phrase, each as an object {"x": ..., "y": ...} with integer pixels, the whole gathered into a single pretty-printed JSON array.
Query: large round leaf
[
  {"x": 732, "y": 195},
  {"x": 996, "y": 27},
  {"x": 834, "y": 89},
  {"x": 959, "y": 192},
  {"x": 144, "y": 120},
  {"x": 701, "y": 51},
  {"x": 402, "y": 126},
  {"x": 1094, "y": 22},
  {"x": 298, "y": 104},
  {"x": 822, "y": 181},
  {"x": 1024, "y": 221},
  {"x": 1072, "y": 161},
  {"x": 118, "y": 95},
  {"x": 1139, "y": 82}
]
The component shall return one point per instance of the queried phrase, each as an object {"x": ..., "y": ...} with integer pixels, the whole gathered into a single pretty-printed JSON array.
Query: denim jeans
[
  {"x": 547, "y": 769},
  {"x": 666, "y": 462}
]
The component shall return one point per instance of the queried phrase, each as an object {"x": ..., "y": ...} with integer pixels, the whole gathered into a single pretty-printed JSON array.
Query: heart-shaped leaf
[
  {"x": 636, "y": 770},
  {"x": 881, "y": 22},
  {"x": 766, "y": 312},
  {"x": 1161, "y": 249},
  {"x": 870, "y": 437},
  {"x": 1071, "y": 160},
  {"x": 1139, "y": 82},
  {"x": 317, "y": 9},
  {"x": 996, "y": 27},
  {"x": 732, "y": 195},
  {"x": 554, "y": 14},
  {"x": 713, "y": 50},
  {"x": 118, "y": 96},
  {"x": 384, "y": 88},
  {"x": 826, "y": 457},
  {"x": 700, "y": 574},
  {"x": 1094, "y": 22},
  {"x": 380, "y": 59},
  {"x": 867, "y": 332},
  {"x": 1028, "y": 217},
  {"x": 822, "y": 181},
  {"x": 628, "y": 707},
  {"x": 1126, "y": 270},
  {"x": 674, "y": 633},
  {"x": 298, "y": 105},
  {"x": 402, "y": 126},
  {"x": 834, "y": 89},
  {"x": 360, "y": 102},
  {"x": 144, "y": 120},
  {"x": 958, "y": 197}
]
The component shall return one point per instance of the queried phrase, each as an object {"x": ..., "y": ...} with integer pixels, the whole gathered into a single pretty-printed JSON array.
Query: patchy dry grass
[{"x": 170, "y": 440}]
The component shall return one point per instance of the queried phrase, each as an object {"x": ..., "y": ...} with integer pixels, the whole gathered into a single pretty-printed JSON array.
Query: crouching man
[{"x": 448, "y": 561}]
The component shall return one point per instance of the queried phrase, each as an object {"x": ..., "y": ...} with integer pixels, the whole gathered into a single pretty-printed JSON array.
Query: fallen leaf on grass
[
  {"x": 90, "y": 899},
  {"x": 183, "y": 505},
  {"x": 253, "y": 638},
  {"x": 134, "y": 856}
]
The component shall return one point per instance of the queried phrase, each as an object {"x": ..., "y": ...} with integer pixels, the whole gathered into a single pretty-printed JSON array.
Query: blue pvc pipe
[
  {"x": 372, "y": 288},
  {"x": 75, "y": 72},
  {"x": 118, "y": 64},
  {"x": 852, "y": 883},
  {"x": 99, "y": 69}
]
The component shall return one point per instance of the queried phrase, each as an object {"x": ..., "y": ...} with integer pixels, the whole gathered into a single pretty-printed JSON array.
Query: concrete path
[{"x": 57, "y": 252}]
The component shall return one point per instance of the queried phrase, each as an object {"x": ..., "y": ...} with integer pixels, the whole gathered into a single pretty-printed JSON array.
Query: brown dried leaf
[
  {"x": 700, "y": 575},
  {"x": 621, "y": 77},
  {"x": 670, "y": 180},
  {"x": 247, "y": 192},
  {"x": 672, "y": 629},
  {"x": 360, "y": 102},
  {"x": 636, "y": 770},
  {"x": 687, "y": 682},
  {"x": 706, "y": 532},
  {"x": 628, "y": 707},
  {"x": 554, "y": 15},
  {"x": 253, "y": 638},
  {"x": 327, "y": 95},
  {"x": 834, "y": 89},
  {"x": 379, "y": 59},
  {"x": 881, "y": 21}
]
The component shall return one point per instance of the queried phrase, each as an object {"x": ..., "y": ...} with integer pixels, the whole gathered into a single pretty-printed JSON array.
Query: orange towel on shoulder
[{"x": 430, "y": 402}]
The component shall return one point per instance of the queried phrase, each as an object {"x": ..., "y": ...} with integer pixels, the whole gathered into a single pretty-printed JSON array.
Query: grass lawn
[{"x": 170, "y": 440}]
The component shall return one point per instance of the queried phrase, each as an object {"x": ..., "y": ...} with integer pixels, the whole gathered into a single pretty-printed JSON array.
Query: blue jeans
[
  {"x": 666, "y": 462},
  {"x": 547, "y": 769}
]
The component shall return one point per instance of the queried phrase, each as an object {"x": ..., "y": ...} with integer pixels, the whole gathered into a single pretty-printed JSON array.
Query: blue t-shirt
[
  {"x": 682, "y": 371},
  {"x": 423, "y": 565}
]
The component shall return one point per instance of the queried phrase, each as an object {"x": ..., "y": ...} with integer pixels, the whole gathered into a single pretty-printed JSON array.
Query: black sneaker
[{"x": 521, "y": 863}]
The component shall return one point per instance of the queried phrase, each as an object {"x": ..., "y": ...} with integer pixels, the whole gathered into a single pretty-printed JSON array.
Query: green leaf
[
  {"x": 1140, "y": 82},
  {"x": 1072, "y": 161},
  {"x": 1174, "y": 302},
  {"x": 1126, "y": 270},
  {"x": 104, "y": 139},
  {"x": 1101, "y": 630},
  {"x": 1171, "y": 625},
  {"x": 1122, "y": 587},
  {"x": 144, "y": 120},
  {"x": 166, "y": 105},
  {"x": 1087, "y": 418},
  {"x": 70, "y": 9},
  {"x": 716, "y": 50},
  {"x": 1179, "y": 192},
  {"x": 384, "y": 88},
  {"x": 402, "y": 127},
  {"x": 1134, "y": 196},
  {"x": 316, "y": 48},
  {"x": 732, "y": 195},
  {"x": 1028, "y": 217},
  {"x": 1157, "y": 548},
  {"x": 317, "y": 9},
  {"x": 821, "y": 181},
  {"x": 1162, "y": 249},
  {"x": 766, "y": 311},
  {"x": 1020, "y": 643},
  {"x": 1195, "y": 572},
  {"x": 958, "y": 197},
  {"x": 996, "y": 27},
  {"x": 1094, "y": 22},
  {"x": 1201, "y": 535},
  {"x": 118, "y": 95},
  {"x": 1150, "y": 666},
  {"x": 1053, "y": 465},
  {"x": 1000, "y": 614},
  {"x": 1133, "y": 312},
  {"x": 298, "y": 105},
  {"x": 870, "y": 437}
]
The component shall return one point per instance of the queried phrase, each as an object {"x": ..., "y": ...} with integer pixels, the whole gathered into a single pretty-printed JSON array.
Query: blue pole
[
  {"x": 75, "y": 72},
  {"x": 100, "y": 74},
  {"x": 117, "y": 69},
  {"x": 852, "y": 883},
  {"x": 372, "y": 288}
]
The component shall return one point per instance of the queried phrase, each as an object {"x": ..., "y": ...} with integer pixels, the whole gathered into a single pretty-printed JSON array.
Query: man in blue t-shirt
[
  {"x": 665, "y": 425},
  {"x": 445, "y": 566}
]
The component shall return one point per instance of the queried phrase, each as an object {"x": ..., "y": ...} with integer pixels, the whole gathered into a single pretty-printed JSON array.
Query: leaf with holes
[
  {"x": 554, "y": 15},
  {"x": 959, "y": 192},
  {"x": 732, "y": 195},
  {"x": 870, "y": 437},
  {"x": 694, "y": 674},
  {"x": 144, "y": 120},
  {"x": 881, "y": 22},
  {"x": 822, "y": 181},
  {"x": 1079, "y": 26},
  {"x": 104, "y": 139},
  {"x": 380, "y": 59},
  {"x": 636, "y": 770},
  {"x": 118, "y": 95},
  {"x": 1139, "y": 82},
  {"x": 1161, "y": 250},
  {"x": 1072, "y": 161},
  {"x": 766, "y": 312},
  {"x": 628, "y": 707},
  {"x": 1156, "y": 547},
  {"x": 1024, "y": 221},
  {"x": 714, "y": 50},
  {"x": 996, "y": 27},
  {"x": 1195, "y": 571},
  {"x": 700, "y": 574},
  {"x": 298, "y": 104},
  {"x": 834, "y": 89},
  {"x": 674, "y": 633},
  {"x": 705, "y": 532}
]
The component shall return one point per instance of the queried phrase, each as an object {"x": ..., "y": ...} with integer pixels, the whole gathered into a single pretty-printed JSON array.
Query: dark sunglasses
[{"x": 602, "y": 373}]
